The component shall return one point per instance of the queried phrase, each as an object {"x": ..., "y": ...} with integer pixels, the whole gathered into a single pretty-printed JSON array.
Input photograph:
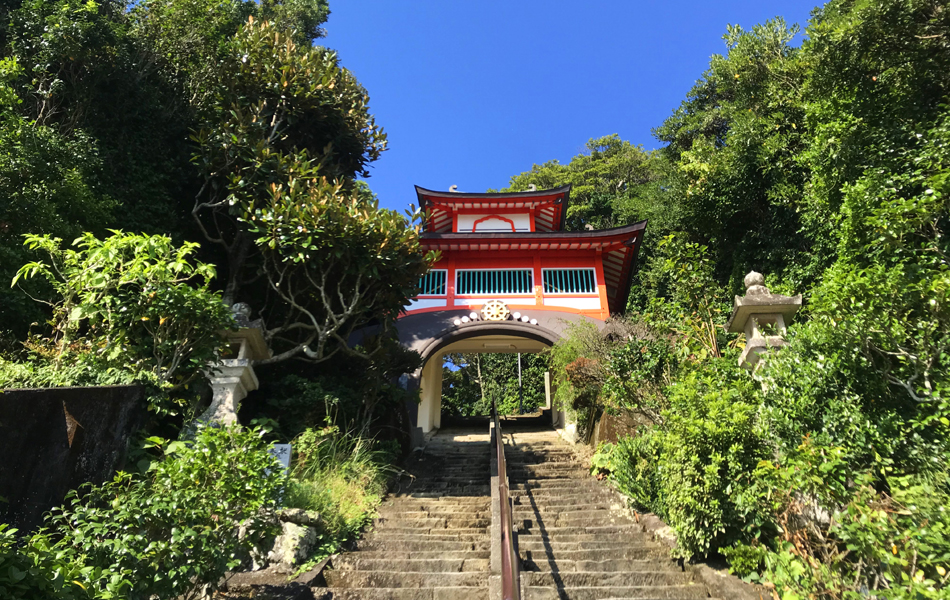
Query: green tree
[
  {"x": 470, "y": 381},
  {"x": 289, "y": 131},
  {"x": 129, "y": 306}
]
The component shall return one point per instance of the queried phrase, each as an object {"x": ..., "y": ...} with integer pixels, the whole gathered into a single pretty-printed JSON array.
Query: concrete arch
[{"x": 433, "y": 334}]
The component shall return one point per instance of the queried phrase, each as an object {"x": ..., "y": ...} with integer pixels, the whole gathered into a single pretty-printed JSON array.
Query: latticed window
[
  {"x": 569, "y": 281},
  {"x": 494, "y": 281},
  {"x": 433, "y": 283}
]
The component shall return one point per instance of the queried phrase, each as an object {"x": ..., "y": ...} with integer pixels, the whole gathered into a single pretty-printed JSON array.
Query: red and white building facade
[
  {"x": 512, "y": 248},
  {"x": 509, "y": 279}
]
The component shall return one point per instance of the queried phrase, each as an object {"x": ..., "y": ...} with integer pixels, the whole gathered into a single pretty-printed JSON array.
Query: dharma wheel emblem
[{"x": 495, "y": 310}]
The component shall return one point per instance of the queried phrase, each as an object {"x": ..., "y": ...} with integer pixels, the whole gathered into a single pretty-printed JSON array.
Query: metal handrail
[{"x": 510, "y": 575}]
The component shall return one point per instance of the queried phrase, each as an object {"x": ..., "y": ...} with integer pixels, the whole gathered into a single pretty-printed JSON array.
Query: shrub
[
  {"x": 172, "y": 532},
  {"x": 130, "y": 307}
]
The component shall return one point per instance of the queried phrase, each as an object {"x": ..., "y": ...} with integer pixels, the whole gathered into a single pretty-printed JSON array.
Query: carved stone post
[
  {"x": 762, "y": 315},
  {"x": 232, "y": 378}
]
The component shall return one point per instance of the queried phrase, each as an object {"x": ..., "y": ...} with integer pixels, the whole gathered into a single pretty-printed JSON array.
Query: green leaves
[
  {"x": 178, "y": 528},
  {"x": 132, "y": 302}
]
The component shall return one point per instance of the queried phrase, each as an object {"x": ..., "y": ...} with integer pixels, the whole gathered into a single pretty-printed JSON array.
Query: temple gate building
[{"x": 509, "y": 279}]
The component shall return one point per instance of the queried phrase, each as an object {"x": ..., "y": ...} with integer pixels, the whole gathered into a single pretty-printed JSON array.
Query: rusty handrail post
[{"x": 510, "y": 576}]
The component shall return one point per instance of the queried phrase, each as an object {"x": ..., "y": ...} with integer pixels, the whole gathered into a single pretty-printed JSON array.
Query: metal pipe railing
[{"x": 510, "y": 576}]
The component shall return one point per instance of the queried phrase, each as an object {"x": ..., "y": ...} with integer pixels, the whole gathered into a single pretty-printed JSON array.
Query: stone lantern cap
[
  {"x": 760, "y": 301},
  {"x": 247, "y": 342}
]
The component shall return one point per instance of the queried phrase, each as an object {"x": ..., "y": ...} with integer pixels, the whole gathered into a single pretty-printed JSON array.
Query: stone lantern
[
  {"x": 762, "y": 316},
  {"x": 233, "y": 377}
]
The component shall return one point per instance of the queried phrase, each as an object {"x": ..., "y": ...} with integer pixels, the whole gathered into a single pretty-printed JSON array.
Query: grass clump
[{"x": 343, "y": 477}]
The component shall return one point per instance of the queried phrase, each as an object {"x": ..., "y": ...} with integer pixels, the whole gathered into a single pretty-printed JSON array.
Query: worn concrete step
[
  {"x": 575, "y": 486},
  {"x": 435, "y": 513},
  {"x": 427, "y": 537},
  {"x": 599, "y": 521},
  {"x": 576, "y": 579},
  {"x": 579, "y": 502},
  {"x": 399, "y": 579},
  {"x": 575, "y": 537},
  {"x": 638, "y": 552},
  {"x": 438, "y": 501},
  {"x": 434, "y": 593},
  {"x": 549, "y": 508},
  {"x": 681, "y": 592},
  {"x": 433, "y": 508},
  {"x": 419, "y": 555},
  {"x": 546, "y": 564},
  {"x": 536, "y": 544},
  {"x": 580, "y": 493},
  {"x": 427, "y": 546},
  {"x": 438, "y": 530},
  {"x": 452, "y": 523},
  {"x": 543, "y": 512},
  {"x": 355, "y": 562},
  {"x": 417, "y": 493},
  {"x": 627, "y": 531}
]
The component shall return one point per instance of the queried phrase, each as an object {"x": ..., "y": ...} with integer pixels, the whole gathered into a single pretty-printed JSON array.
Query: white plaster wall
[
  {"x": 510, "y": 301},
  {"x": 522, "y": 223},
  {"x": 588, "y": 303},
  {"x": 430, "y": 408},
  {"x": 416, "y": 303}
]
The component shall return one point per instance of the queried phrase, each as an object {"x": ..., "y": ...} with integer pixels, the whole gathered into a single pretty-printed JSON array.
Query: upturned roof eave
[
  {"x": 614, "y": 232},
  {"x": 565, "y": 191}
]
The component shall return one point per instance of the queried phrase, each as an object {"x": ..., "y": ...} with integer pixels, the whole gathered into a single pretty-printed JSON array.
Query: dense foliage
[
  {"x": 825, "y": 166},
  {"x": 129, "y": 308},
  {"x": 141, "y": 130},
  {"x": 470, "y": 382},
  {"x": 199, "y": 510}
]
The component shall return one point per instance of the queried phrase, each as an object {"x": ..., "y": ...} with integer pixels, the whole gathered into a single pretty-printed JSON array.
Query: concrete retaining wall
[{"x": 53, "y": 440}]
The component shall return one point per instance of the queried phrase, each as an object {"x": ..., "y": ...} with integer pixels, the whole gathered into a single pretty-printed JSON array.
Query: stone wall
[{"x": 53, "y": 440}]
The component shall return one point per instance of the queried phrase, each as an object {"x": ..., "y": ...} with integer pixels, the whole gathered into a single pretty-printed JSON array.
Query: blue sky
[{"x": 472, "y": 93}]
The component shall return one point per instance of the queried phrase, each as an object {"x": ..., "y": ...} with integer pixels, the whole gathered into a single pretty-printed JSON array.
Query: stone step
[
  {"x": 435, "y": 593},
  {"x": 639, "y": 552},
  {"x": 576, "y": 486},
  {"x": 400, "y": 579},
  {"x": 417, "y": 493},
  {"x": 435, "y": 513},
  {"x": 544, "y": 564},
  {"x": 577, "y": 537},
  {"x": 427, "y": 536},
  {"x": 549, "y": 545},
  {"x": 627, "y": 531},
  {"x": 355, "y": 562},
  {"x": 577, "y": 579},
  {"x": 596, "y": 521},
  {"x": 438, "y": 530},
  {"x": 426, "y": 546},
  {"x": 579, "y": 502},
  {"x": 419, "y": 555},
  {"x": 680, "y": 592},
  {"x": 438, "y": 502},
  {"x": 438, "y": 523},
  {"x": 548, "y": 508},
  {"x": 413, "y": 505}
]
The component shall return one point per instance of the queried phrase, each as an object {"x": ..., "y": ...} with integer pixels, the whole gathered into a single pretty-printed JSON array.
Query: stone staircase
[
  {"x": 431, "y": 540},
  {"x": 575, "y": 538}
]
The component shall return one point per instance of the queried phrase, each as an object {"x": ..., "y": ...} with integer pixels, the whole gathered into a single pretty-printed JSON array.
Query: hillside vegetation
[{"x": 824, "y": 166}]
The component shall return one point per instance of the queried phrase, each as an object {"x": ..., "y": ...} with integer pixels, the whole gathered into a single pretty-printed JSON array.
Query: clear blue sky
[{"x": 472, "y": 93}]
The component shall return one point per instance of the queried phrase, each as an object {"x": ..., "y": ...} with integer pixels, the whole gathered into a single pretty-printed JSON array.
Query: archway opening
[
  {"x": 471, "y": 381},
  {"x": 499, "y": 384}
]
